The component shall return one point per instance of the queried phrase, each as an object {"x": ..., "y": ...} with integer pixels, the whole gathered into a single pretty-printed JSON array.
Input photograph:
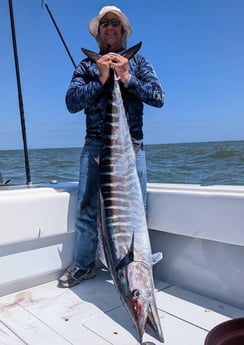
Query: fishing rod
[
  {"x": 21, "y": 106},
  {"x": 59, "y": 33}
]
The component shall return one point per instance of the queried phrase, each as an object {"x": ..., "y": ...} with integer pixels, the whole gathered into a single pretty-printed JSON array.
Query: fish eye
[{"x": 136, "y": 293}]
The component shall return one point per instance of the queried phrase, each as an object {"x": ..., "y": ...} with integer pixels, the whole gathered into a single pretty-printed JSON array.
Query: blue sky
[{"x": 196, "y": 47}]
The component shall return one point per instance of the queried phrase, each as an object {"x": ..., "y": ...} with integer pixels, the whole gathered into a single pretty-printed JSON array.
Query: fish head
[{"x": 136, "y": 288}]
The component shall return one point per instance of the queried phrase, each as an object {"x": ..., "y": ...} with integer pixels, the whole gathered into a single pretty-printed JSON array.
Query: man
[{"x": 87, "y": 90}]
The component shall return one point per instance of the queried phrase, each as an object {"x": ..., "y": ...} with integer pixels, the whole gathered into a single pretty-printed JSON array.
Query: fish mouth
[
  {"x": 149, "y": 320},
  {"x": 153, "y": 322},
  {"x": 140, "y": 300}
]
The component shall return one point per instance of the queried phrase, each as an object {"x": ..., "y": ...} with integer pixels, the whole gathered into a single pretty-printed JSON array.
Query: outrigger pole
[
  {"x": 21, "y": 106},
  {"x": 59, "y": 33}
]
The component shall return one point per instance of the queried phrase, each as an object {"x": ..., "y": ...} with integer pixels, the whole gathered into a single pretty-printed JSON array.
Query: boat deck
[{"x": 91, "y": 313}]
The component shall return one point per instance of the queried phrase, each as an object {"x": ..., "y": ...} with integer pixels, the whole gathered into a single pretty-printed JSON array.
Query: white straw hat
[{"x": 93, "y": 24}]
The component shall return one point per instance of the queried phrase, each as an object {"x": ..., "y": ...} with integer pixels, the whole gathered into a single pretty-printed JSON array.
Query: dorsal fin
[{"x": 128, "y": 53}]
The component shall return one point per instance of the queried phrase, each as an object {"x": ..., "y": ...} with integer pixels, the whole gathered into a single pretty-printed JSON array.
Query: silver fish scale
[{"x": 120, "y": 187}]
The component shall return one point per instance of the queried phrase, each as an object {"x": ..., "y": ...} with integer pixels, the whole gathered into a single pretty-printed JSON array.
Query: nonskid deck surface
[{"x": 91, "y": 314}]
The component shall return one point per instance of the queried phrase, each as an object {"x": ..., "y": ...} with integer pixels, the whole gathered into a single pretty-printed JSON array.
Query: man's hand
[
  {"x": 120, "y": 65},
  {"x": 115, "y": 61},
  {"x": 103, "y": 65}
]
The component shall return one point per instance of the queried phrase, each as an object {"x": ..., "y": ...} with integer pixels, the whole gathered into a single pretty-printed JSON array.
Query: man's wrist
[
  {"x": 102, "y": 79},
  {"x": 127, "y": 80}
]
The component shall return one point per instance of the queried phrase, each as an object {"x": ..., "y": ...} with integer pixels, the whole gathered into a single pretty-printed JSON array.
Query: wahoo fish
[{"x": 124, "y": 232}]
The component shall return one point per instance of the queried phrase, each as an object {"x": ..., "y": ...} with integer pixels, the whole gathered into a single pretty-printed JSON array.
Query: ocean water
[{"x": 207, "y": 163}]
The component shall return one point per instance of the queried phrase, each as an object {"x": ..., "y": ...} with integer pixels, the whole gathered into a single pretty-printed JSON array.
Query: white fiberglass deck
[{"x": 91, "y": 314}]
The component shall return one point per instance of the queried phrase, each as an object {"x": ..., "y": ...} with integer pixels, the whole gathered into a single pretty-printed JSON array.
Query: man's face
[{"x": 111, "y": 32}]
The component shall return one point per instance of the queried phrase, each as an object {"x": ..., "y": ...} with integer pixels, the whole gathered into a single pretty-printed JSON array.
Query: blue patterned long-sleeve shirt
[{"x": 87, "y": 93}]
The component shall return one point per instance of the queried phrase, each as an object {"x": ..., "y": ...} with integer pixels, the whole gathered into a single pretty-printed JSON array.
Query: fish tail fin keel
[
  {"x": 129, "y": 53},
  {"x": 91, "y": 55}
]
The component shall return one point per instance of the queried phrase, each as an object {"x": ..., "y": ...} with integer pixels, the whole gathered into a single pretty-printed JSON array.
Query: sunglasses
[{"x": 106, "y": 22}]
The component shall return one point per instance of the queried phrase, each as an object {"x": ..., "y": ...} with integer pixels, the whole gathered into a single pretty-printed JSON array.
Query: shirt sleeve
[
  {"x": 84, "y": 86},
  {"x": 144, "y": 83}
]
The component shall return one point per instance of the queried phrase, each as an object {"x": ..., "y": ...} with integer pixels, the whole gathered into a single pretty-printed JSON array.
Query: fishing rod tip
[{"x": 43, "y": 1}]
